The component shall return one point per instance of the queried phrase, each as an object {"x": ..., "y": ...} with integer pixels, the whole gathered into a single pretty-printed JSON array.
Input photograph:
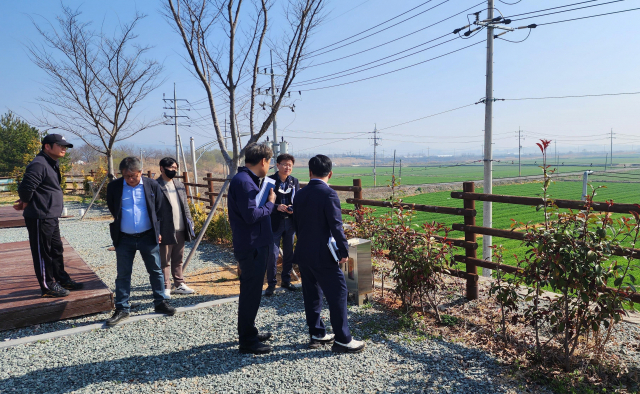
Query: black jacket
[
  {"x": 153, "y": 196},
  {"x": 316, "y": 217},
  {"x": 168, "y": 231},
  {"x": 250, "y": 225},
  {"x": 40, "y": 187},
  {"x": 277, "y": 216}
]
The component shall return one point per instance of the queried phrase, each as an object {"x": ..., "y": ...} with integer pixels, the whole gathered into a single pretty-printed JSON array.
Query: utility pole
[
  {"x": 487, "y": 215},
  {"x": 141, "y": 161},
  {"x": 611, "y": 147},
  {"x": 273, "y": 104},
  {"x": 375, "y": 146},
  {"x": 193, "y": 163},
  {"x": 519, "y": 152},
  {"x": 175, "y": 118},
  {"x": 400, "y": 176}
]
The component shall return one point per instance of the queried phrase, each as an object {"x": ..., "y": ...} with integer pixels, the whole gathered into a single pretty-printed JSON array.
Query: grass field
[
  {"x": 449, "y": 172},
  {"x": 503, "y": 213}
]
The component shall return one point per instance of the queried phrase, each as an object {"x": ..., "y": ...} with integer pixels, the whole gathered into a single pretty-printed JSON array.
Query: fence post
[
  {"x": 92, "y": 174},
  {"x": 357, "y": 195},
  {"x": 472, "y": 284},
  {"x": 210, "y": 183},
  {"x": 185, "y": 179},
  {"x": 149, "y": 174}
]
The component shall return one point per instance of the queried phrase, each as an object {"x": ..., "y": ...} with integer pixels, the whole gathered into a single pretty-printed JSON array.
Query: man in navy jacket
[
  {"x": 317, "y": 217},
  {"x": 282, "y": 224},
  {"x": 252, "y": 242}
]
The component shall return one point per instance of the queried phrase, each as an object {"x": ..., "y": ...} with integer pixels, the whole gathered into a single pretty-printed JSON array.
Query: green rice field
[
  {"x": 450, "y": 172},
  {"x": 503, "y": 213}
]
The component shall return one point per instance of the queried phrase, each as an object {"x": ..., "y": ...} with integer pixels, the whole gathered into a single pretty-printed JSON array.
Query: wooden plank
[
  {"x": 9, "y": 217},
  {"x": 338, "y": 188},
  {"x": 489, "y": 231},
  {"x": 20, "y": 301},
  {"x": 416, "y": 207},
  {"x": 535, "y": 201}
]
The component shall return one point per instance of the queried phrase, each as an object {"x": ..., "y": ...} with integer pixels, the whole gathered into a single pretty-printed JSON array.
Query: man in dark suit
[
  {"x": 317, "y": 217},
  {"x": 177, "y": 227},
  {"x": 282, "y": 224},
  {"x": 252, "y": 242},
  {"x": 136, "y": 205}
]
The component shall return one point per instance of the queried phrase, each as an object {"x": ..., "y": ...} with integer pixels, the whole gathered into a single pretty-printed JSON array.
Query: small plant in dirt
[{"x": 504, "y": 290}]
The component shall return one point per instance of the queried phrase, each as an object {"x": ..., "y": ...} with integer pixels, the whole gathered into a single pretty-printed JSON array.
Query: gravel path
[{"x": 196, "y": 351}]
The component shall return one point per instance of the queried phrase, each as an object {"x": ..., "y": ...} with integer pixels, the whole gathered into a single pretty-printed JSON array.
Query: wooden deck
[
  {"x": 9, "y": 217},
  {"x": 20, "y": 301}
]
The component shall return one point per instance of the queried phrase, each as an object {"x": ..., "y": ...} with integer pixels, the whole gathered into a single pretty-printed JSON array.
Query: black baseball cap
[{"x": 56, "y": 139}]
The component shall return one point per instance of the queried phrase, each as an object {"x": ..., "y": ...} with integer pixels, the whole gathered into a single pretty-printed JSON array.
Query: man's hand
[
  {"x": 282, "y": 208},
  {"x": 344, "y": 260},
  {"x": 20, "y": 206},
  {"x": 159, "y": 238},
  {"x": 272, "y": 196}
]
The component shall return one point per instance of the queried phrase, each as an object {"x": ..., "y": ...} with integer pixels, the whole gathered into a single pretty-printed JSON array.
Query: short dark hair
[
  {"x": 254, "y": 153},
  {"x": 285, "y": 156},
  {"x": 130, "y": 163},
  {"x": 168, "y": 162},
  {"x": 50, "y": 145},
  {"x": 320, "y": 165}
]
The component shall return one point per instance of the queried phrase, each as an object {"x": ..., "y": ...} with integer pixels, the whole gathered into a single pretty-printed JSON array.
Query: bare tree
[
  {"x": 94, "y": 80},
  {"x": 228, "y": 63}
]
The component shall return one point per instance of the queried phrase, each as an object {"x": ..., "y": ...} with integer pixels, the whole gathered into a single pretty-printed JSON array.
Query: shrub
[{"x": 219, "y": 230}]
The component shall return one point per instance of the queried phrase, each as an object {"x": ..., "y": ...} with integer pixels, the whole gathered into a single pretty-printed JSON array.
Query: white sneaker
[
  {"x": 351, "y": 347},
  {"x": 167, "y": 294},
  {"x": 325, "y": 338},
  {"x": 183, "y": 289}
]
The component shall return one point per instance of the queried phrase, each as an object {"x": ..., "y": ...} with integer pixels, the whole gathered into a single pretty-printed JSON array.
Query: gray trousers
[{"x": 171, "y": 260}]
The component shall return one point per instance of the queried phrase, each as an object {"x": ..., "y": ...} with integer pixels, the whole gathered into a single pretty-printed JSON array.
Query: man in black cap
[{"x": 42, "y": 200}]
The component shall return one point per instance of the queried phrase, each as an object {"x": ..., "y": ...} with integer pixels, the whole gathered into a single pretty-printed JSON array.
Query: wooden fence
[{"x": 471, "y": 230}]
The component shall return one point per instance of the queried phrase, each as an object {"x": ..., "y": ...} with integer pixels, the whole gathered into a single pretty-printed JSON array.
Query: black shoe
[
  {"x": 165, "y": 308},
  {"x": 269, "y": 291},
  {"x": 118, "y": 316},
  {"x": 55, "y": 291},
  {"x": 258, "y": 348},
  {"x": 316, "y": 343},
  {"x": 289, "y": 287},
  {"x": 72, "y": 285},
  {"x": 265, "y": 336}
]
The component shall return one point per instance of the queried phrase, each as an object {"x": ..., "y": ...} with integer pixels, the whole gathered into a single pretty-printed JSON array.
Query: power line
[
  {"x": 391, "y": 41},
  {"x": 326, "y": 77},
  {"x": 587, "y": 17},
  {"x": 572, "y": 96},
  {"x": 572, "y": 9},
  {"x": 552, "y": 8},
  {"x": 396, "y": 70}
]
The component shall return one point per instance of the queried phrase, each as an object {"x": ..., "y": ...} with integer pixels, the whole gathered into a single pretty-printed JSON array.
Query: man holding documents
[
  {"x": 318, "y": 224},
  {"x": 250, "y": 203}
]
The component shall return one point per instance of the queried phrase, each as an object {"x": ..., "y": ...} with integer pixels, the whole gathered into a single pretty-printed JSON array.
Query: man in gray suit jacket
[{"x": 177, "y": 227}]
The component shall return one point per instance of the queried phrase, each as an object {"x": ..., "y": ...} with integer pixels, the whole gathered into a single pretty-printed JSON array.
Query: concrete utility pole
[
  {"x": 519, "y": 152},
  {"x": 276, "y": 146},
  {"x": 487, "y": 215},
  {"x": 192, "y": 145},
  {"x": 141, "y": 161},
  {"x": 375, "y": 146},
  {"x": 175, "y": 118},
  {"x": 611, "y": 147}
]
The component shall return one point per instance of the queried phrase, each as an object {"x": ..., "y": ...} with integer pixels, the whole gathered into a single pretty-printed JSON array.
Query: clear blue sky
[{"x": 591, "y": 56}]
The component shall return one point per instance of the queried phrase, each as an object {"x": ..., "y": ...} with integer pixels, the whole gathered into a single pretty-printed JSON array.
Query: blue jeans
[
  {"x": 286, "y": 232},
  {"x": 125, "y": 253}
]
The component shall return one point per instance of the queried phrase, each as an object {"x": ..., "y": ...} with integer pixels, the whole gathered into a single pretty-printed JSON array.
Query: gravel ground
[
  {"x": 196, "y": 351},
  {"x": 90, "y": 238}
]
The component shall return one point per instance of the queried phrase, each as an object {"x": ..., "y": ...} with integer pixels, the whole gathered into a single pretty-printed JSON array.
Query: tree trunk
[{"x": 111, "y": 173}]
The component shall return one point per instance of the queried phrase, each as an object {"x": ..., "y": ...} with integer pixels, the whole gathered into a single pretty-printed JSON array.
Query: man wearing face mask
[
  {"x": 177, "y": 227},
  {"x": 282, "y": 224}
]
